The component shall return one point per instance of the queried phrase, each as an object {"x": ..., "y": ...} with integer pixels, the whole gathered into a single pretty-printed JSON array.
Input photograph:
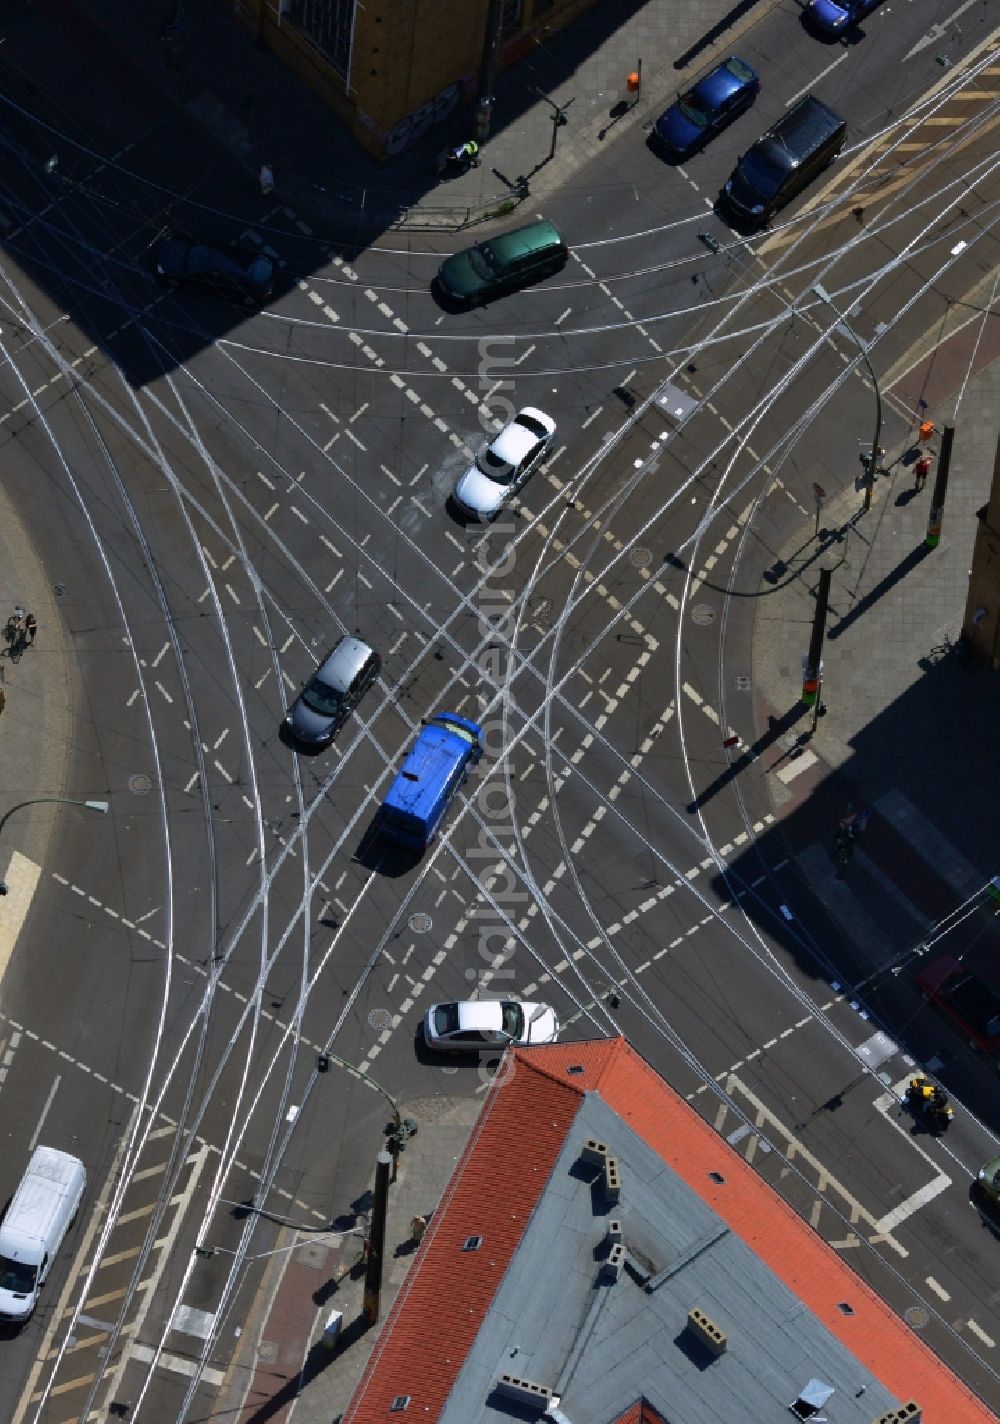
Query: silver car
[
  {"x": 505, "y": 463},
  {"x": 333, "y": 691},
  {"x": 480, "y": 1025}
]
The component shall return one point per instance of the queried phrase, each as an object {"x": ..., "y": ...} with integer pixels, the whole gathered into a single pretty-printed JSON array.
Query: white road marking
[
  {"x": 797, "y": 767},
  {"x": 44, "y": 1114},
  {"x": 936, "y": 32},
  {"x": 816, "y": 78}
]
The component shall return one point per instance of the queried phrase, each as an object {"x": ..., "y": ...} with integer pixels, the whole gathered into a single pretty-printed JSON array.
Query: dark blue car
[
  {"x": 705, "y": 110},
  {"x": 831, "y": 17}
]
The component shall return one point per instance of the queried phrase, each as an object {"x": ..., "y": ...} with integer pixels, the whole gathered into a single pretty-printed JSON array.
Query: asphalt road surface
[{"x": 223, "y": 493}]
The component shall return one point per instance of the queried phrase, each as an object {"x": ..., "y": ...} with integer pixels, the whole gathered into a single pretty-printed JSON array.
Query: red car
[{"x": 971, "y": 1003}]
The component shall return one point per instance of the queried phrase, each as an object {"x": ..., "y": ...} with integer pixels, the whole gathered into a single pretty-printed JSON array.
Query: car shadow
[{"x": 847, "y": 38}]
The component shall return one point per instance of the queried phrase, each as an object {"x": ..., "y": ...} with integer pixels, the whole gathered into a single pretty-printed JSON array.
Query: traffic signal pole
[{"x": 812, "y": 664}]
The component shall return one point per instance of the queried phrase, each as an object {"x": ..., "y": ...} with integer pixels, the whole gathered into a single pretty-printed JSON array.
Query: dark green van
[{"x": 502, "y": 264}]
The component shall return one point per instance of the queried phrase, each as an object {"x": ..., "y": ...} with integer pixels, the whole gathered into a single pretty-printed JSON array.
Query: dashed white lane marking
[
  {"x": 177, "y": 1364},
  {"x": 797, "y": 767}
]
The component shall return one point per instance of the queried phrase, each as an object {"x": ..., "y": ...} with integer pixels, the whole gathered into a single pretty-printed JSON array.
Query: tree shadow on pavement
[
  {"x": 894, "y": 576},
  {"x": 777, "y": 727},
  {"x": 317, "y": 1360},
  {"x": 710, "y": 36}
]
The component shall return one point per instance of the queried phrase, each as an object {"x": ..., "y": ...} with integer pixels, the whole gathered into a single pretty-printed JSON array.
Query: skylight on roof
[
  {"x": 399, "y": 1404},
  {"x": 472, "y": 1243}
]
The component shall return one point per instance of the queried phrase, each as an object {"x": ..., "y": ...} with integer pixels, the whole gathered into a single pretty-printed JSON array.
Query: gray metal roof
[{"x": 601, "y": 1345}]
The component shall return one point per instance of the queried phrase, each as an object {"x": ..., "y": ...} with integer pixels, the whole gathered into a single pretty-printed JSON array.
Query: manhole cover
[
  {"x": 743, "y": 684},
  {"x": 916, "y": 1316},
  {"x": 379, "y": 1018},
  {"x": 641, "y": 557},
  {"x": 60, "y": 590},
  {"x": 702, "y": 614},
  {"x": 420, "y": 922},
  {"x": 140, "y": 783}
]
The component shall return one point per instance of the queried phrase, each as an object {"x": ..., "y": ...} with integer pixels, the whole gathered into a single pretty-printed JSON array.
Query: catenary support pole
[
  {"x": 936, "y": 517},
  {"x": 376, "y": 1240}
]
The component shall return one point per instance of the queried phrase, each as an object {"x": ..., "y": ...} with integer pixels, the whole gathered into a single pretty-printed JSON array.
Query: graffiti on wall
[{"x": 434, "y": 112}]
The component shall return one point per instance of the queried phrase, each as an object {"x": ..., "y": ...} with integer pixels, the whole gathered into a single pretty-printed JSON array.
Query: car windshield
[
  {"x": 692, "y": 109},
  {"x": 322, "y": 698},
  {"x": 446, "y": 1018},
  {"x": 482, "y": 261},
  {"x": 755, "y": 170},
  {"x": 513, "y": 1020},
  {"x": 16, "y": 1276}
]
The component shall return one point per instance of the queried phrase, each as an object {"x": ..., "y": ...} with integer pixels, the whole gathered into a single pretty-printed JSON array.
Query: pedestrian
[
  {"x": 15, "y": 626},
  {"x": 266, "y": 180},
  {"x": 30, "y": 628},
  {"x": 920, "y": 472},
  {"x": 3, "y": 699}
]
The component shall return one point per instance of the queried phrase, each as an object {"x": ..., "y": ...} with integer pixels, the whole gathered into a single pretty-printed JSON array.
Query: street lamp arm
[
  {"x": 359, "y": 1073},
  {"x": 101, "y": 806}
]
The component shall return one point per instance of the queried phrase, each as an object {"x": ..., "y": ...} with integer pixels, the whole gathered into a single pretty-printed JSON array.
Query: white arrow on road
[{"x": 937, "y": 32}]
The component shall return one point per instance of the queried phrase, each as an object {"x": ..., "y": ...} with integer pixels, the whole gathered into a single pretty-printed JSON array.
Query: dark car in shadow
[{"x": 219, "y": 269}]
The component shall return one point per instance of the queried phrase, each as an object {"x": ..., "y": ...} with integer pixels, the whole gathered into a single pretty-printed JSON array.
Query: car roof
[
  {"x": 531, "y": 238},
  {"x": 342, "y": 665},
  {"x": 722, "y": 82},
  {"x": 513, "y": 442},
  {"x": 480, "y": 1014}
]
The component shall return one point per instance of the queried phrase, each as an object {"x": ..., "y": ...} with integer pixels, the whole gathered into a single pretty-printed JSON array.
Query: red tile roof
[
  {"x": 642, "y": 1412},
  {"x": 494, "y": 1190}
]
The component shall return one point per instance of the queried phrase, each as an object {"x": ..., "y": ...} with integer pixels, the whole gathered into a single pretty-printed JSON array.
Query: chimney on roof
[
  {"x": 908, "y": 1413},
  {"x": 538, "y": 1396},
  {"x": 612, "y": 1181},
  {"x": 706, "y": 1330},
  {"x": 594, "y": 1152},
  {"x": 611, "y": 1269}
]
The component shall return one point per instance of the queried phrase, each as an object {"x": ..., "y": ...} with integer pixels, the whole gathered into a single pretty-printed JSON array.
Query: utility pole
[
  {"x": 934, "y": 520},
  {"x": 488, "y": 71},
  {"x": 376, "y": 1240},
  {"x": 812, "y": 663}
]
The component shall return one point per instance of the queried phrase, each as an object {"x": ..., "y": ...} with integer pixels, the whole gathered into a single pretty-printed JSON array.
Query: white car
[
  {"x": 505, "y": 463},
  {"x": 476, "y": 1025}
]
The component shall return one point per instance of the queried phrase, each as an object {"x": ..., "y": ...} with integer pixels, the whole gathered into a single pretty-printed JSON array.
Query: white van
[{"x": 34, "y": 1225}]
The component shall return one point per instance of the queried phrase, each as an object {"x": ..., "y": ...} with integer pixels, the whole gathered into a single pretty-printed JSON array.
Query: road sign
[{"x": 819, "y": 492}]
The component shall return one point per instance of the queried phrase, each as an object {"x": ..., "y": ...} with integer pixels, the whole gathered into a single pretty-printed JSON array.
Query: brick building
[{"x": 394, "y": 69}]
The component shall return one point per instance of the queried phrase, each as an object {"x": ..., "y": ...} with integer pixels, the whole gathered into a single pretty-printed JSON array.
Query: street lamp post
[
  {"x": 862, "y": 346},
  {"x": 101, "y": 806}
]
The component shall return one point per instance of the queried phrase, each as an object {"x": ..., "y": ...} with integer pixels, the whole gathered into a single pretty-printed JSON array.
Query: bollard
[{"x": 331, "y": 1330}]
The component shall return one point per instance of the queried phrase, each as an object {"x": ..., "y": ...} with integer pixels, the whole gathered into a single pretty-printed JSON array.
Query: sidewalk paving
[
  {"x": 910, "y": 728},
  {"x": 259, "y": 110},
  {"x": 283, "y": 1369}
]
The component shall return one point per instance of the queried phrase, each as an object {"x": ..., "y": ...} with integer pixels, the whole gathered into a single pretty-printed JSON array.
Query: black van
[{"x": 780, "y": 164}]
